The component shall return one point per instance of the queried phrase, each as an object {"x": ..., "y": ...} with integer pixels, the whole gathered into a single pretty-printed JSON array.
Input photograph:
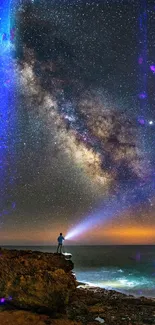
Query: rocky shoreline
[{"x": 40, "y": 289}]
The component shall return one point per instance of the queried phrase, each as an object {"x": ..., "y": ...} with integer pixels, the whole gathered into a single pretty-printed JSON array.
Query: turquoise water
[{"x": 128, "y": 269}]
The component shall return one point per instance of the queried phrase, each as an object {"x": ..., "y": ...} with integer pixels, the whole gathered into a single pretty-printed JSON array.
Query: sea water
[{"x": 128, "y": 269}]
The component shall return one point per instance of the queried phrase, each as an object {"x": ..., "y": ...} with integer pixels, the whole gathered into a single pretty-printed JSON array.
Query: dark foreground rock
[
  {"x": 35, "y": 280},
  {"x": 112, "y": 307},
  {"x": 39, "y": 289},
  {"x": 28, "y": 318}
]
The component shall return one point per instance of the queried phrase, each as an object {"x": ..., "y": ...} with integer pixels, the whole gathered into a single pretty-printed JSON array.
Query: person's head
[{"x": 61, "y": 234}]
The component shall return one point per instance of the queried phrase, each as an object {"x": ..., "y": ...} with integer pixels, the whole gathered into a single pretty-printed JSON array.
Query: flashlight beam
[{"x": 114, "y": 207}]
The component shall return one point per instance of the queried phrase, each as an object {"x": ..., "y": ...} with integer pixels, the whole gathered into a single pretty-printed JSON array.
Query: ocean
[{"x": 127, "y": 269}]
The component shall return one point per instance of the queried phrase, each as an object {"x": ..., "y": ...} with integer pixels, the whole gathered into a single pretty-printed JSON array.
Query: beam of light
[
  {"x": 7, "y": 110},
  {"x": 113, "y": 207}
]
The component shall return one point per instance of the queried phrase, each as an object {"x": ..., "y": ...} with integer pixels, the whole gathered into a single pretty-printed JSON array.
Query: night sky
[{"x": 82, "y": 133}]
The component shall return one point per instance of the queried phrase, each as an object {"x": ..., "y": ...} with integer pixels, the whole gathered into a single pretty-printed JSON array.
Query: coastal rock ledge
[
  {"x": 36, "y": 280},
  {"x": 39, "y": 289}
]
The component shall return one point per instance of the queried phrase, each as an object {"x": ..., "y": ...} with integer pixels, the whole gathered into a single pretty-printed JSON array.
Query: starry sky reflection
[{"x": 78, "y": 139}]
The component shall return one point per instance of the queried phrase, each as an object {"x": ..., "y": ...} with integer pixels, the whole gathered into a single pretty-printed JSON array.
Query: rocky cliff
[
  {"x": 35, "y": 280},
  {"x": 39, "y": 289}
]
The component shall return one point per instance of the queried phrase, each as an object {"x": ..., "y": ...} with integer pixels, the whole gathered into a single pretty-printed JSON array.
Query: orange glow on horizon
[
  {"x": 104, "y": 235},
  {"x": 133, "y": 232},
  {"x": 126, "y": 235}
]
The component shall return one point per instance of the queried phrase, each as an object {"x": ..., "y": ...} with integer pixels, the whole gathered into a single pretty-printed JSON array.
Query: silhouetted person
[{"x": 60, "y": 242}]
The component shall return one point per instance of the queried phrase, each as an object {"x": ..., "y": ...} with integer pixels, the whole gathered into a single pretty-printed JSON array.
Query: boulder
[{"x": 35, "y": 280}]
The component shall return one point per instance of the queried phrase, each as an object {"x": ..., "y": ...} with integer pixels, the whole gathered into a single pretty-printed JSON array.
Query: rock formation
[
  {"x": 39, "y": 289},
  {"x": 35, "y": 280}
]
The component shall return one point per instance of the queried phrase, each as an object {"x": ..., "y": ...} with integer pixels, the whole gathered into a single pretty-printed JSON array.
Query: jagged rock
[
  {"x": 36, "y": 280},
  {"x": 113, "y": 307}
]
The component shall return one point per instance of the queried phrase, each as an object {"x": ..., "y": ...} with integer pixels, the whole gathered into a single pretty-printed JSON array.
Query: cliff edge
[
  {"x": 35, "y": 280},
  {"x": 39, "y": 289}
]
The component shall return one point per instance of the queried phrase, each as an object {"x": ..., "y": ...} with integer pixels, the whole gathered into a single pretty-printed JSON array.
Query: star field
[{"x": 81, "y": 136}]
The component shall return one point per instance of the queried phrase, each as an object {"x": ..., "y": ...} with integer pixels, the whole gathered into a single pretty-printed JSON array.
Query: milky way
[{"x": 97, "y": 136}]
